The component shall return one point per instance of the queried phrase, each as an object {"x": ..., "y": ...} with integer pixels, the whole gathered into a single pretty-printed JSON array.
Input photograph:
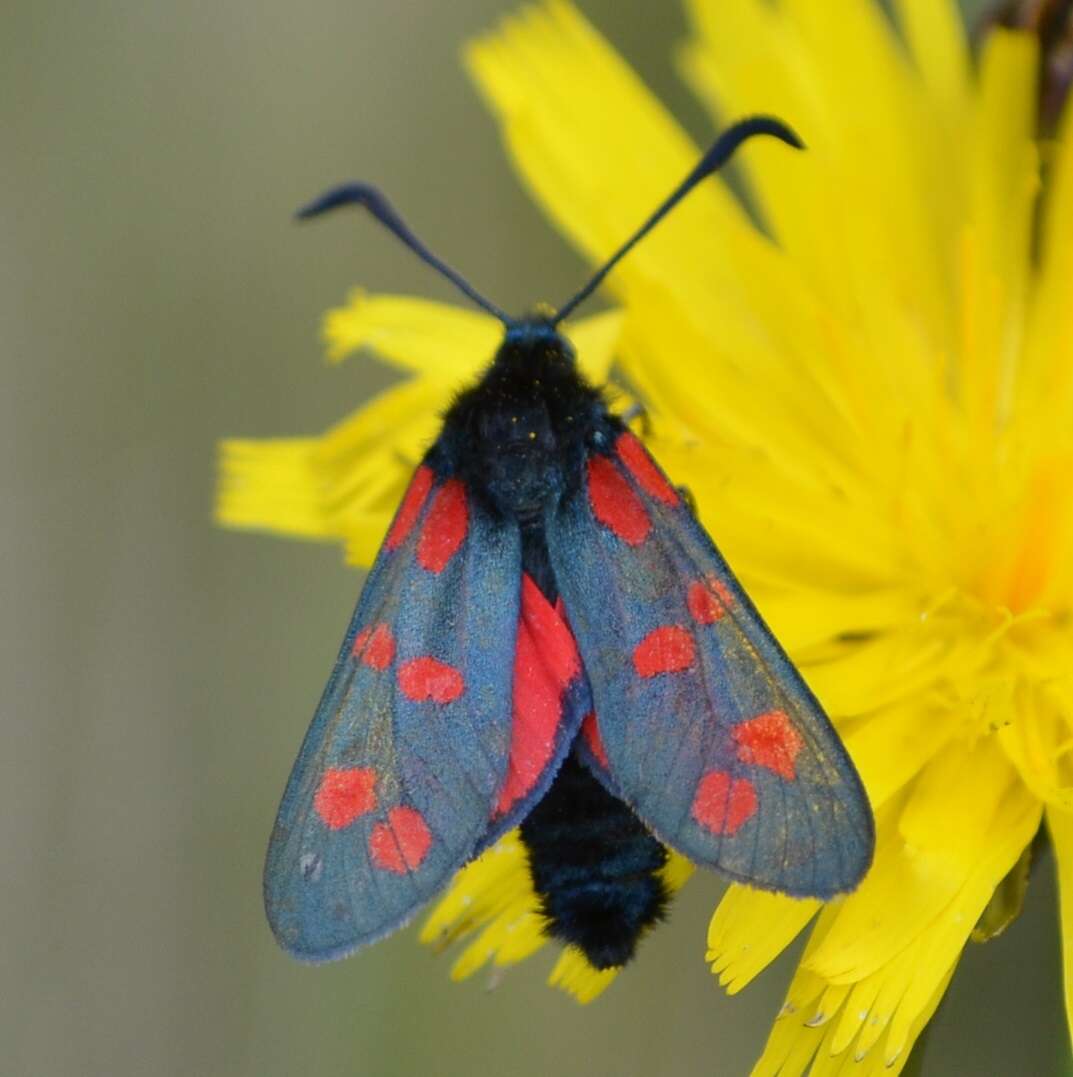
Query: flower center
[{"x": 1031, "y": 567}]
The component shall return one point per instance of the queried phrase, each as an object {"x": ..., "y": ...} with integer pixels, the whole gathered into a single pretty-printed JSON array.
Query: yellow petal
[
  {"x": 366, "y": 461},
  {"x": 516, "y": 931},
  {"x": 749, "y": 929},
  {"x": 435, "y": 339},
  {"x": 799, "y": 1043},
  {"x": 746, "y": 57},
  {"x": 491, "y": 901},
  {"x": 595, "y": 341},
  {"x": 448, "y": 343},
  {"x": 480, "y": 891},
  {"x": 964, "y": 825},
  {"x": 803, "y": 617},
  {"x": 836, "y": 71},
  {"x": 1037, "y": 736},
  {"x": 522, "y": 939},
  {"x": 365, "y": 536},
  {"x": 866, "y": 1018},
  {"x": 906, "y": 988},
  {"x": 676, "y": 872},
  {"x": 1006, "y": 174},
  {"x": 1049, "y": 349},
  {"x": 399, "y": 422},
  {"x": 792, "y": 1044},
  {"x": 936, "y": 37},
  {"x": 1005, "y": 182},
  {"x": 272, "y": 485},
  {"x": 891, "y": 746},
  {"x": 574, "y": 975},
  {"x": 345, "y": 485},
  {"x": 549, "y": 76},
  {"x": 878, "y": 673}
]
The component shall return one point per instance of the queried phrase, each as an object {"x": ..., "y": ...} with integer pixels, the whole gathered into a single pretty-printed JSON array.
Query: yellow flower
[{"x": 871, "y": 399}]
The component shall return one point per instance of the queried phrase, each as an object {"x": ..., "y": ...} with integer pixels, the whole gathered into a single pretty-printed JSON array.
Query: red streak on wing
[
  {"x": 345, "y": 795},
  {"x": 667, "y": 649},
  {"x": 426, "y": 678},
  {"x": 770, "y": 740},
  {"x": 410, "y": 509},
  {"x": 546, "y": 660},
  {"x": 375, "y": 647},
  {"x": 723, "y": 804},
  {"x": 708, "y": 600},
  {"x": 643, "y": 468},
  {"x": 591, "y": 732},
  {"x": 614, "y": 502},
  {"x": 550, "y": 632},
  {"x": 445, "y": 527},
  {"x": 402, "y": 843}
]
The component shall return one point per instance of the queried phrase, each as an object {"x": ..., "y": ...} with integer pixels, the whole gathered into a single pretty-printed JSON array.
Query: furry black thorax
[{"x": 519, "y": 437}]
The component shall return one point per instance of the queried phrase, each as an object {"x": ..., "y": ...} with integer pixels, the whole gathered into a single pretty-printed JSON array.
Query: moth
[{"x": 549, "y": 639}]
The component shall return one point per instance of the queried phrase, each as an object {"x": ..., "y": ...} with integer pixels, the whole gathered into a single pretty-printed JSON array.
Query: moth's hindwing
[
  {"x": 703, "y": 724},
  {"x": 400, "y": 771},
  {"x": 549, "y": 700}
]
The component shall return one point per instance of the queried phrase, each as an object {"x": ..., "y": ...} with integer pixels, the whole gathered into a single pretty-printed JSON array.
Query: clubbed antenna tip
[
  {"x": 718, "y": 154},
  {"x": 371, "y": 199}
]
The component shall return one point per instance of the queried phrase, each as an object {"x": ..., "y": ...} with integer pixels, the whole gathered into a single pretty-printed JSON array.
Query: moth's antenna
[
  {"x": 361, "y": 194},
  {"x": 721, "y": 151}
]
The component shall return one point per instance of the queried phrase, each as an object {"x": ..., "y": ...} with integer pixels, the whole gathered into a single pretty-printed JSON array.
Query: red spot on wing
[
  {"x": 769, "y": 740},
  {"x": 614, "y": 502},
  {"x": 591, "y": 732},
  {"x": 546, "y": 660},
  {"x": 444, "y": 528},
  {"x": 708, "y": 600},
  {"x": 423, "y": 679},
  {"x": 410, "y": 509},
  {"x": 722, "y": 803},
  {"x": 402, "y": 843},
  {"x": 668, "y": 649},
  {"x": 345, "y": 794},
  {"x": 375, "y": 646},
  {"x": 643, "y": 468}
]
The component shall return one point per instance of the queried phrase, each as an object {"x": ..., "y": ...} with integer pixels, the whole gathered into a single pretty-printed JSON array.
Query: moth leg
[
  {"x": 638, "y": 412},
  {"x": 686, "y": 495}
]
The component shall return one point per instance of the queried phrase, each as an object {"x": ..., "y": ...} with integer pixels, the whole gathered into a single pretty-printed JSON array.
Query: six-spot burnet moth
[{"x": 548, "y": 638}]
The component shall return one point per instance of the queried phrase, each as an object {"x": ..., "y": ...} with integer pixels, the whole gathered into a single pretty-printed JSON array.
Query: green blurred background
[{"x": 159, "y": 673}]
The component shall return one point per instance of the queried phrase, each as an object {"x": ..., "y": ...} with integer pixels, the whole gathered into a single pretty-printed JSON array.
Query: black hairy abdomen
[{"x": 595, "y": 868}]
